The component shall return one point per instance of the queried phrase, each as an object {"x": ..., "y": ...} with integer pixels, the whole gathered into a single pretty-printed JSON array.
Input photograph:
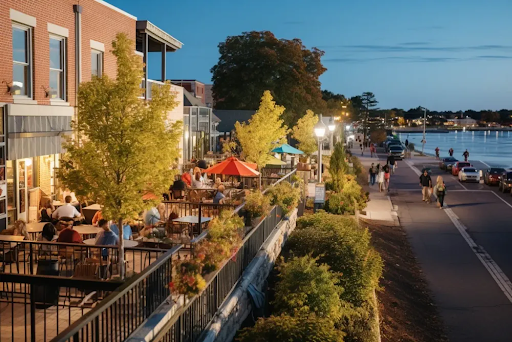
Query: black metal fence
[
  {"x": 191, "y": 320},
  {"x": 124, "y": 310},
  {"x": 26, "y": 257}
]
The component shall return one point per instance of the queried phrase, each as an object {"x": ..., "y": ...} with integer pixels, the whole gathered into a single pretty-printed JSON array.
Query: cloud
[
  {"x": 414, "y": 43},
  {"x": 493, "y": 57},
  {"x": 414, "y": 47},
  {"x": 404, "y": 59}
]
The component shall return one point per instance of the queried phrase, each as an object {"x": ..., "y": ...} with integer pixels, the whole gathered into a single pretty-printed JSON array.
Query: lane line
[
  {"x": 484, "y": 163},
  {"x": 495, "y": 194},
  {"x": 490, "y": 265}
]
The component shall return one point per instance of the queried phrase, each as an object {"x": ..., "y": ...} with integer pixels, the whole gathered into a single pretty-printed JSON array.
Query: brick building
[{"x": 48, "y": 48}]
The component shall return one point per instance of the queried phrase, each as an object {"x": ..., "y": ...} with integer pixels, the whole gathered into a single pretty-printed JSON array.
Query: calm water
[{"x": 493, "y": 148}]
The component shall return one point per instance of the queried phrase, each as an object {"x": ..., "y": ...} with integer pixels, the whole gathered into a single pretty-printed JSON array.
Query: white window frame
[
  {"x": 63, "y": 76},
  {"x": 29, "y": 86},
  {"x": 99, "y": 55}
]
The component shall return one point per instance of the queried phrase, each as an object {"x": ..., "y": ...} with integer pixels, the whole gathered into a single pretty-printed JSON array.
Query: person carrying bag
[{"x": 440, "y": 191}]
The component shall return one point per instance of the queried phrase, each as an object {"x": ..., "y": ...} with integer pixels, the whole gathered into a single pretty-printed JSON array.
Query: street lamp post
[
  {"x": 424, "y": 123},
  {"x": 320, "y": 132},
  {"x": 332, "y": 127}
]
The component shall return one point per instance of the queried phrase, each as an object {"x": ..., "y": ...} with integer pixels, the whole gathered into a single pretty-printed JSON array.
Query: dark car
[
  {"x": 447, "y": 163},
  {"x": 397, "y": 151},
  {"x": 492, "y": 176},
  {"x": 391, "y": 143},
  {"x": 505, "y": 182}
]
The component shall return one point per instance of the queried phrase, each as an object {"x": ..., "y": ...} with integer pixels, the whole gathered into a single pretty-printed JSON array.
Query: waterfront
[{"x": 492, "y": 148}]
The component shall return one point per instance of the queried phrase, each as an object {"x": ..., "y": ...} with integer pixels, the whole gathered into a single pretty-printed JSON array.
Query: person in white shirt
[{"x": 67, "y": 210}]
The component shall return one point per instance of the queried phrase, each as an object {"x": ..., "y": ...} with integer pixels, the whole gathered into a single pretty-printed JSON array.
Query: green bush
[
  {"x": 285, "y": 195},
  {"x": 340, "y": 243},
  {"x": 344, "y": 201},
  {"x": 292, "y": 329},
  {"x": 307, "y": 288},
  {"x": 338, "y": 166}
]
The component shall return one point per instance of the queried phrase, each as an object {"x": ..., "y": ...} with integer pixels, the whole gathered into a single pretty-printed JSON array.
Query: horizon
[{"x": 442, "y": 56}]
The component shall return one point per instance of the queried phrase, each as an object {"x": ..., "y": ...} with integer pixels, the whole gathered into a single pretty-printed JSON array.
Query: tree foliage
[
  {"x": 263, "y": 132},
  {"x": 378, "y": 136},
  {"x": 340, "y": 243},
  {"x": 253, "y": 62},
  {"x": 307, "y": 288},
  {"x": 292, "y": 329},
  {"x": 125, "y": 146},
  {"x": 304, "y": 133},
  {"x": 369, "y": 102},
  {"x": 338, "y": 166}
]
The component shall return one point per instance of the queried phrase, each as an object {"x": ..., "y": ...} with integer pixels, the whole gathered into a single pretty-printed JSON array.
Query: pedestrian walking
[
  {"x": 362, "y": 147},
  {"x": 437, "y": 152},
  {"x": 387, "y": 176},
  {"x": 392, "y": 162},
  {"x": 406, "y": 143},
  {"x": 450, "y": 152},
  {"x": 373, "y": 172},
  {"x": 380, "y": 177},
  {"x": 466, "y": 155},
  {"x": 440, "y": 191},
  {"x": 426, "y": 185},
  {"x": 372, "y": 150}
]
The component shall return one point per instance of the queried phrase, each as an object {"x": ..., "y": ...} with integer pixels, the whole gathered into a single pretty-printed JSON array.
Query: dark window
[{"x": 21, "y": 69}]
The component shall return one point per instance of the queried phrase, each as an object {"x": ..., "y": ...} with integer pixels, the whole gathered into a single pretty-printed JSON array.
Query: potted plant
[
  {"x": 256, "y": 206},
  {"x": 286, "y": 196},
  {"x": 187, "y": 280}
]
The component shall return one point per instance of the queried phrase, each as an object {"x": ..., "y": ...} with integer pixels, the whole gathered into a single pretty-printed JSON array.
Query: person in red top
[
  {"x": 68, "y": 235},
  {"x": 187, "y": 178}
]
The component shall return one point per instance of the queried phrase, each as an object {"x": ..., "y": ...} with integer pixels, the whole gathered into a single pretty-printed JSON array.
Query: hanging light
[{"x": 319, "y": 127}]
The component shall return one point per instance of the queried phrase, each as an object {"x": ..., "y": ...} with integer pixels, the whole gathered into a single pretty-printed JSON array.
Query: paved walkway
[{"x": 379, "y": 208}]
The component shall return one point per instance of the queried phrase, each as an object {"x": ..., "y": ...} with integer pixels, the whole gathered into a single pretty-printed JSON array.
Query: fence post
[
  {"x": 31, "y": 259},
  {"x": 32, "y": 312}
]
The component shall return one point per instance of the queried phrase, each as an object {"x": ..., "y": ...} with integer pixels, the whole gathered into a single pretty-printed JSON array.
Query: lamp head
[{"x": 319, "y": 127}]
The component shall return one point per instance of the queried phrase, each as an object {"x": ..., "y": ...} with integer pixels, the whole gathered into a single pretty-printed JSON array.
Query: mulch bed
[{"x": 407, "y": 311}]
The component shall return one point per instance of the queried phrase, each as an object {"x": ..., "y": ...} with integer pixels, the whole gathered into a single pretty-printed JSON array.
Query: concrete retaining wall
[{"x": 238, "y": 305}]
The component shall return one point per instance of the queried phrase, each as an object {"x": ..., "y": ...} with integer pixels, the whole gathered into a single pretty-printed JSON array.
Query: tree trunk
[{"x": 121, "y": 249}]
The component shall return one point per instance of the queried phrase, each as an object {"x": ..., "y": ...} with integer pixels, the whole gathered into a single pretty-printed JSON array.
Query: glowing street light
[{"x": 320, "y": 133}]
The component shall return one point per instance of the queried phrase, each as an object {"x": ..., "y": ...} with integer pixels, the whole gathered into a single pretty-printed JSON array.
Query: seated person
[
  {"x": 127, "y": 231},
  {"x": 154, "y": 215},
  {"x": 187, "y": 178},
  {"x": 46, "y": 211},
  {"x": 218, "y": 182},
  {"x": 219, "y": 196},
  {"x": 197, "y": 181},
  {"x": 18, "y": 229},
  {"x": 68, "y": 234},
  {"x": 107, "y": 236},
  {"x": 48, "y": 235},
  {"x": 66, "y": 210},
  {"x": 96, "y": 218}
]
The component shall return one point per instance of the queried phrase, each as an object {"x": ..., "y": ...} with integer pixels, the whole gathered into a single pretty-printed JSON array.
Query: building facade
[{"x": 47, "y": 50}]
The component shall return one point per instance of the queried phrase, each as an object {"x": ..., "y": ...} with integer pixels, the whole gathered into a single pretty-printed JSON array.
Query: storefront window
[{"x": 11, "y": 200}]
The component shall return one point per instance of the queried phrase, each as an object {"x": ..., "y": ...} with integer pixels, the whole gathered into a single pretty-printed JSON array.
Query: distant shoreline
[{"x": 448, "y": 130}]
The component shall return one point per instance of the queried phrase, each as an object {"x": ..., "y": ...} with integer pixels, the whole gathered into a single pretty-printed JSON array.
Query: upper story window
[
  {"x": 58, "y": 66},
  {"x": 22, "y": 60},
  {"x": 96, "y": 63}
]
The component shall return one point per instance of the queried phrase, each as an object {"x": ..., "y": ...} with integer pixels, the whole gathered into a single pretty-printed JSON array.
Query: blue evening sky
[{"x": 441, "y": 54}]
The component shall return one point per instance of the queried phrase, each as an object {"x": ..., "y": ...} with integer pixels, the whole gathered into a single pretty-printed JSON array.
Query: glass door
[{"x": 21, "y": 201}]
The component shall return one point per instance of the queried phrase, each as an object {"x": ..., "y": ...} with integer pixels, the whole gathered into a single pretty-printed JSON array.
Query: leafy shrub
[
  {"x": 257, "y": 204},
  {"x": 340, "y": 243},
  {"x": 305, "y": 288},
  {"x": 285, "y": 195},
  {"x": 344, "y": 201},
  {"x": 378, "y": 136},
  {"x": 410, "y": 147},
  {"x": 188, "y": 279},
  {"x": 338, "y": 166},
  {"x": 292, "y": 329}
]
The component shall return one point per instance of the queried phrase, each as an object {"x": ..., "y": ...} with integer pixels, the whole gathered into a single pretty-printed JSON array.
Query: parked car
[
  {"x": 393, "y": 143},
  {"x": 505, "y": 181},
  {"x": 397, "y": 151},
  {"x": 447, "y": 163},
  {"x": 458, "y": 166},
  {"x": 469, "y": 174},
  {"x": 493, "y": 175}
]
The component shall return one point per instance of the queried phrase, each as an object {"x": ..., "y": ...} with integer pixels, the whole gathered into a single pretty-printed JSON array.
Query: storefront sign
[{"x": 320, "y": 193}]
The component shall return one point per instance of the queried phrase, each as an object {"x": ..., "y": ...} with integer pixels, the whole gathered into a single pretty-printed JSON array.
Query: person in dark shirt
[
  {"x": 68, "y": 234},
  {"x": 426, "y": 184},
  {"x": 373, "y": 172},
  {"x": 392, "y": 162}
]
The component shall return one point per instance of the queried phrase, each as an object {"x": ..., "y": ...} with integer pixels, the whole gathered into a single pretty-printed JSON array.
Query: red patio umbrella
[
  {"x": 253, "y": 166},
  {"x": 232, "y": 167}
]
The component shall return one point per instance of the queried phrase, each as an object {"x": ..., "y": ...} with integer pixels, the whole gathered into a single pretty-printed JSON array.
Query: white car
[{"x": 469, "y": 174}]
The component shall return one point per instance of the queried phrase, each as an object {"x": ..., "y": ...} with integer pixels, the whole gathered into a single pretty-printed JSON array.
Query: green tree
[
  {"x": 378, "y": 136},
  {"x": 292, "y": 329},
  {"x": 307, "y": 288},
  {"x": 338, "y": 166},
  {"x": 264, "y": 130},
  {"x": 369, "y": 103},
  {"x": 304, "y": 133},
  {"x": 253, "y": 62},
  {"x": 124, "y": 146}
]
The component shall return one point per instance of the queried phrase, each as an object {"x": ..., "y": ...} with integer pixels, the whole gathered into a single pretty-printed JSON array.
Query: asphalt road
[{"x": 464, "y": 250}]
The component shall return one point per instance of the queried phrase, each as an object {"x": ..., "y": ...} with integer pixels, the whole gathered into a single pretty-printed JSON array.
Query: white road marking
[
  {"x": 495, "y": 194},
  {"x": 494, "y": 270},
  {"x": 485, "y": 163}
]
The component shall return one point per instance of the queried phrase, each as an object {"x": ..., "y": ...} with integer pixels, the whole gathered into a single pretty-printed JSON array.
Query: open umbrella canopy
[
  {"x": 232, "y": 167},
  {"x": 274, "y": 161},
  {"x": 253, "y": 166},
  {"x": 285, "y": 148}
]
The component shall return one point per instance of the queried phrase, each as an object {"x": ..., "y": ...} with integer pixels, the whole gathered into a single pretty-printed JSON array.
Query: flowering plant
[{"x": 188, "y": 279}]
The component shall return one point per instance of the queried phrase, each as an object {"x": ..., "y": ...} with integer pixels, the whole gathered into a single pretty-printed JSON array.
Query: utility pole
[{"x": 424, "y": 123}]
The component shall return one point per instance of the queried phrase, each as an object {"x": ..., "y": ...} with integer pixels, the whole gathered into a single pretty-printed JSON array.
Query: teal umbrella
[{"x": 285, "y": 148}]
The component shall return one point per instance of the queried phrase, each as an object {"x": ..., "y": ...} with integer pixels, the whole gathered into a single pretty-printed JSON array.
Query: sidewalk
[{"x": 379, "y": 208}]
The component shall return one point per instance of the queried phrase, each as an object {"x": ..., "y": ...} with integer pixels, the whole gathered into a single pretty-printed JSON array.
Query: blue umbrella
[{"x": 285, "y": 148}]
